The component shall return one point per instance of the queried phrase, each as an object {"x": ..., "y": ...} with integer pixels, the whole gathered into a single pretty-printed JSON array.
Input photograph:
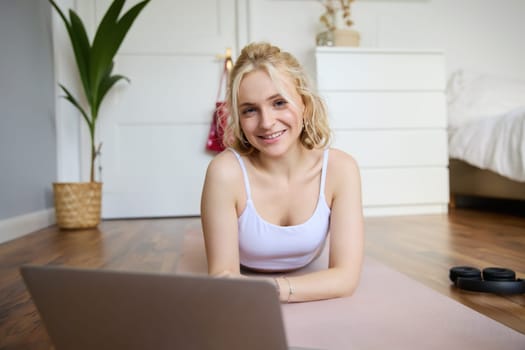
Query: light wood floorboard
[{"x": 422, "y": 247}]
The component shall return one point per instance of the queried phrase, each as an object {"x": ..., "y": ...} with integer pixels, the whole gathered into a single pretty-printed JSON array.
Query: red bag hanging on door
[
  {"x": 220, "y": 114},
  {"x": 218, "y": 124}
]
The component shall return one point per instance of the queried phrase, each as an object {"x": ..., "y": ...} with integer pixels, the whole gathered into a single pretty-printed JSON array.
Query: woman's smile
[{"x": 272, "y": 137}]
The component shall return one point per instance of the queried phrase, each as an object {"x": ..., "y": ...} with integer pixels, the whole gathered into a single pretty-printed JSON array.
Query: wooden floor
[{"x": 422, "y": 247}]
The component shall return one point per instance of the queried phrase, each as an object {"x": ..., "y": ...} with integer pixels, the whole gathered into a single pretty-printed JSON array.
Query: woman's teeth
[{"x": 273, "y": 136}]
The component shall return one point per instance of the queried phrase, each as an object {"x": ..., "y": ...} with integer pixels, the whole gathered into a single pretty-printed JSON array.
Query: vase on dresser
[{"x": 336, "y": 26}]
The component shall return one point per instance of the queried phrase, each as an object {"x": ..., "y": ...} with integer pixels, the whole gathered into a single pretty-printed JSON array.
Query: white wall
[
  {"x": 483, "y": 35},
  {"x": 480, "y": 35}
]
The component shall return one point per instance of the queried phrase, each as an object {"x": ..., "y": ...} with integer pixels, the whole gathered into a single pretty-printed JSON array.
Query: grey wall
[{"x": 27, "y": 130}]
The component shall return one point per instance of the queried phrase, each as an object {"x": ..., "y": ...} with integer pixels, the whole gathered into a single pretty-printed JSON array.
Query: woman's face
[{"x": 271, "y": 122}]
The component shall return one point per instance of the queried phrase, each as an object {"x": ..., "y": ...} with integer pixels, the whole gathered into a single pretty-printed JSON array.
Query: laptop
[{"x": 102, "y": 309}]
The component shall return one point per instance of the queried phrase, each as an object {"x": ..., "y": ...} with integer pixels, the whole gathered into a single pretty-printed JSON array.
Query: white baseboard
[
  {"x": 423, "y": 209},
  {"x": 21, "y": 225}
]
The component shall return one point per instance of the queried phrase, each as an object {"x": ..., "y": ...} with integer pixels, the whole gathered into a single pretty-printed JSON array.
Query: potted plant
[{"x": 78, "y": 205}]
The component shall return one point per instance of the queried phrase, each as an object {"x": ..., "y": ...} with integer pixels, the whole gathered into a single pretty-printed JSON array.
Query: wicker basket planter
[{"x": 77, "y": 205}]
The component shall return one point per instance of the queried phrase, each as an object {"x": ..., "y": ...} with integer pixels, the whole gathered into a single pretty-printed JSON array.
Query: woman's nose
[{"x": 267, "y": 118}]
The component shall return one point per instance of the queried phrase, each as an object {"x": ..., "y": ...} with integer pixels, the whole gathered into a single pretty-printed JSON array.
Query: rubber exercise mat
[{"x": 388, "y": 311}]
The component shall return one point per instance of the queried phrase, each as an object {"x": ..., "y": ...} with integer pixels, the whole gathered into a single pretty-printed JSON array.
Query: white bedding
[{"x": 496, "y": 143}]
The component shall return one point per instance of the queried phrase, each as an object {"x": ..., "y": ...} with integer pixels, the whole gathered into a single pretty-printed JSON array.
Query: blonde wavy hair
[{"x": 270, "y": 59}]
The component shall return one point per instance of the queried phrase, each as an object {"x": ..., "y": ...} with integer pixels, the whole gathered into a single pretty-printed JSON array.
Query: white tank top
[{"x": 270, "y": 247}]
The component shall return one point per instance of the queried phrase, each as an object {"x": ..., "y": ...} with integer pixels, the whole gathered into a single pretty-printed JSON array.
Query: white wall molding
[
  {"x": 243, "y": 25},
  {"x": 23, "y": 224},
  {"x": 66, "y": 116}
]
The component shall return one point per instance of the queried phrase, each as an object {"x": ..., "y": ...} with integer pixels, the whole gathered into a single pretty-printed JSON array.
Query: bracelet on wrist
[{"x": 291, "y": 289}]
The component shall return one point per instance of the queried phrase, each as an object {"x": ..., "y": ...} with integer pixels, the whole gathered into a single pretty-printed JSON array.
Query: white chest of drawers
[{"x": 387, "y": 108}]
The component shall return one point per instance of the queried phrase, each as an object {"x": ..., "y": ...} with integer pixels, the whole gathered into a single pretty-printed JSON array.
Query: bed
[{"x": 486, "y": 117}]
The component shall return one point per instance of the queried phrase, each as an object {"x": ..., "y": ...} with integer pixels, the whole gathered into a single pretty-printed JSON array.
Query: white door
[{"x": 154, "y": 129}]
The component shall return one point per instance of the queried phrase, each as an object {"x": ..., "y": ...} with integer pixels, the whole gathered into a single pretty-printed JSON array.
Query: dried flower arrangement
[{"x": 328, "y": 18}]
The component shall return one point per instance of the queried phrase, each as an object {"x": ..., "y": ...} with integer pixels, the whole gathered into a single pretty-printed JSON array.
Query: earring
[{"x": 305, "y": 124}]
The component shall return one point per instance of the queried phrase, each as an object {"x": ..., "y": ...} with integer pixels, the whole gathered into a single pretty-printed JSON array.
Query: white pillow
[{"x": 474, "y": 96}]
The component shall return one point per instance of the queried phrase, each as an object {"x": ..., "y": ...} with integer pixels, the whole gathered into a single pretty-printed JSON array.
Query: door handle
[{"x": 228, "y": 58}]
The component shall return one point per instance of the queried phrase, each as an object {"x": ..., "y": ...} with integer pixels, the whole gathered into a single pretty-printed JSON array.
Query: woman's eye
[
  {"x": 248, "y": 111},
  {"x": 280, "y": 103}
]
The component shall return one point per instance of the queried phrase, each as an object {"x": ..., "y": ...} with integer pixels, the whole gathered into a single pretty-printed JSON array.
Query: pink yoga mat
[{"x": 388, "y": 311}]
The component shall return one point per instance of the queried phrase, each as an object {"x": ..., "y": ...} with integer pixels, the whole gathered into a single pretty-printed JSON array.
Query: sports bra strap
[
  {"x": 323, "y": 172},
  {"x": 244, "y": 174}
]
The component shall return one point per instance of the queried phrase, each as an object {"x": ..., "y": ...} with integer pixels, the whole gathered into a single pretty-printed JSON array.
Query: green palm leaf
[
  {"x": 105, "y": 85},
  {"x": 81, "y": 42},
  {"x": 102, "y": 52},
  {"x": 75, "y": 103},
  {"x": 109, "y": 37}
]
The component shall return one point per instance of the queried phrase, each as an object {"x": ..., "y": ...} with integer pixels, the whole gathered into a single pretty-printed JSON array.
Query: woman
[{"x": 270, "y": 200}]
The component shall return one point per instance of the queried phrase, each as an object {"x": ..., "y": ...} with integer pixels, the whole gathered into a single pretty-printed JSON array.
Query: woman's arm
[
  {"x": 219, "y": 215},
  {"x": 346, "y": 238}
]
